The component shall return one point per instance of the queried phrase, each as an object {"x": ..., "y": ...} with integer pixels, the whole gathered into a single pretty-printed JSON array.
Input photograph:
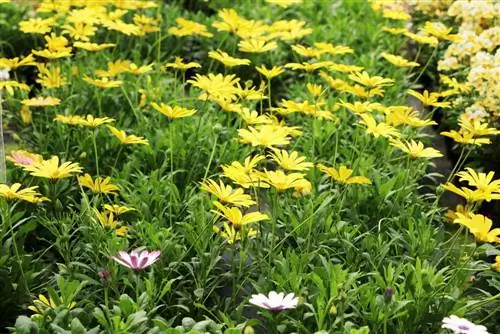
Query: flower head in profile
[
  {"x": 93, "y": 47},
  {"x": 226, "y": 59},
  {"x": 398, "y": 60},
  {"x": 363, "y": 78},
  {"x": 284, "y": 3},
  {"x": 378, "y": 129},
  {"x": 343, "y": 175},
  {"x": 416, "y": 149},
  {"x": 127, "y": 139},
  {"x": 180, "y": 65},
  {"x": 226, "y": 193},
  {"x": 51, "y": 169},
  {"x": 103, "y": 83},
  {"x": 256, "y": 46},
  {"x": 100, "y": 185},
  {"x": 281, "y": 181},
  {"x": 482, "y": 181},
  {"x": 135, "y": 260},
  {"x": 462, "y": 326},
  {"x": 173, "y": 112},
  {"x": 266, "y": 136},
  {"x": 496, "y": 265},
  {"x": 15, "y": 192},
  {"x": 429, "y": 99},
  {"x": 117, "y": 209},
  {"x": 236, "y": 217},
  {"x": 471, "y": 195},
  {"x": 232, "y": 234},
  {"x": 187, "y": 27},
  {"x": 290, "y": 160},
  {"x": 270, "y": 73},
  {"x": 108, "y": 222},
  {"x": 41, "y": 102},
  {"x": 14, "y": 63},
  {"x": 275, "y": 301},
  {"x": 216, "y": 86},
  {"x": 22, "y": 158},
  {"x": 479, "y": 226},
  {"x": 465, "y": 138}
]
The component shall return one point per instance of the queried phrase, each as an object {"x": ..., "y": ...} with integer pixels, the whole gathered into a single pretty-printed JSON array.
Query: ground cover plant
[{"x": 236, "y": 167}]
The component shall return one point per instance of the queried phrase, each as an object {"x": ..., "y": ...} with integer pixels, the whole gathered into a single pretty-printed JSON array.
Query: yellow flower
[
  {"x": 396, "y": 15},
  {"x": 380, "y": 129},
  {"x": 50, "y": 77},
  {"x": 302, "y": 188},
  {"x": 114, "y": 68},
  {"x": 416, "y": 149},
  {"x": 37, "y": 25},
  {"x": 244, "y": 174},
  {"x": 226, "y": 194},
  {"x": 475, "y": 127},
  {"x": 93, "y": 46},
  {"x": 180, "y": 65},
  {"x": 395, "y": 31},
  {"x": 344, "y": 68},
  {"x": 26, "y": 115},
  {"x": 56, "y": 47},
  {"x": 9, "y": 86},
  {"x": 26, "y": 194},
  {"x": 315, "y": 90},
  {"x": 398, "y": 60},
  {"x": 189, "y": 28},
  {"x": 252, "y": 117},
  {"x": 107, "y": 221},
  {"x": 496, "y": 265},
  {"x": 100, "y": 185},
  {"x": 173, "y": 112},
  {"x": 265, "y": 135},
  {"x": 290, "y": 161},
  {"x": 134, "y": 69},
  {"x": 333, "y": 49},
  {"x": 343, "y": 175},
  {"x": 397, "y": 115},
  {"x": 440, "y": 31},
  {"x": 42, "y": 303},
  {"x": 429, "y": 99},
  {"x": 22, "y": 158},
  {"x": 236, "y": 217},
  {"x": 41, "y": 102},
  {"x": 256, "y": 46},
  {"x": 465, "y": 138},
  {"x": 469, "y": 194},
  {"x": 451, "y": 215},
  {"x": 308, "y": 67},
  {"x": 103, "y": 83},
  {"x": 117, "y": 209},
  {"x": 479, "y": 226},
  {"x": 14, "y": 63},
  {"x": 80, "y": 31},
  {"x": 422, "y": 39},
  {"x": 358, "y": 107},
  {"x": 51, "y": 169},
  {"x": 127, "y": 140},
  {"x": 226, "y": 59},
  {"x": 481, "y": 181},
  {"x": 233, "y": 235},
  {"x": 281, "y": 181},
  {"x": 217, "y": 86},
  {"x": 89, "y": 120},
  {"x": 452, "y": 82},
  {"x": 307, "y": 51},
  {"x": 366, "y": 80}
]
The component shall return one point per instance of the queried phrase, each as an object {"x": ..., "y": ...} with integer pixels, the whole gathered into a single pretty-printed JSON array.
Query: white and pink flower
[
  {"x": 275, "y": 301},
  {"x": 462, "y": 326},
  {"x": 136, "y": 260}
]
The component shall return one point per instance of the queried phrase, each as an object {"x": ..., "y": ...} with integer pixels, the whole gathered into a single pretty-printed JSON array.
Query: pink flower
[
  {"x": 136, "y": 260},
  {"x": 462, "y": 326}
]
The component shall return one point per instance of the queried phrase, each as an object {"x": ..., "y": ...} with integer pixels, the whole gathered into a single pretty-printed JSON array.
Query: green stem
[
  {"x": 425, "y": 67},
  {"x": 170, "y": 133},
  {"x": 118, "y": 156},
  {"x": 3, "y": 166},
  {"x": 211, "y": 158},
  {"x": 94, "y": 134}
]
